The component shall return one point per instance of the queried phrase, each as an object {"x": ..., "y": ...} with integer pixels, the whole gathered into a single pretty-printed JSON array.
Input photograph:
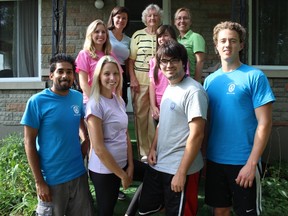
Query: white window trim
[
  {"x": 40, "y": 38},
  {"x": 28, "y": 85},
  {"x": 269, "y": 70},
  {"x": 28, "y": 82}
]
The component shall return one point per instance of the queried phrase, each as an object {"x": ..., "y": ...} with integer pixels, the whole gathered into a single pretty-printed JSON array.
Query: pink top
[
  {"x": 162, "y": 81},
  {"x": 87, "y": 64}
]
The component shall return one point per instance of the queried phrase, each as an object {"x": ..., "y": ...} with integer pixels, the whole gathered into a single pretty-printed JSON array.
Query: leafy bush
[
  {"x": 275, "y": 190},
  {"x": 17, "y": 187}
]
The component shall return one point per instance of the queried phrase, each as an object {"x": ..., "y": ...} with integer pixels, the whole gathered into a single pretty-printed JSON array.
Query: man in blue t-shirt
[
  {"x": 240, "y": 121},
  {"x": 51, "y": 122}
]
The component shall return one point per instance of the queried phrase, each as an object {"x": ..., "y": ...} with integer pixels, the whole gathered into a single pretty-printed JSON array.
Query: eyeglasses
[
  {"x": 182, "y": 18},
  {"x": 165, "y": 62}
]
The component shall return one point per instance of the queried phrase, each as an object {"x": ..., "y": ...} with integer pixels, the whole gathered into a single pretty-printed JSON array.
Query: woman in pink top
[
  {"x": 96, "y": 45},
  {"x": 158, "y": 82}
]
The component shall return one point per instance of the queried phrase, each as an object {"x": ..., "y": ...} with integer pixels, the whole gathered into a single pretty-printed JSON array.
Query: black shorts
[
  {"x": 221, "y": 190},
  {"x": 156, "y": 193}
]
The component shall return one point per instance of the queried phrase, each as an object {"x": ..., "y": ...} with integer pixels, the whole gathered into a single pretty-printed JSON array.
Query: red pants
[{"x": 191, "y": 195}]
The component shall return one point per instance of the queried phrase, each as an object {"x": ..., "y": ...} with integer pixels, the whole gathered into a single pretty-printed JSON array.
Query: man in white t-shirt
[{"x": 171, "y": 181}]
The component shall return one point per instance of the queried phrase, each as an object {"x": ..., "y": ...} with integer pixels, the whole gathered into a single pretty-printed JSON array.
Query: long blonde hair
[
  {"x": 89, "y": 44},
  {"x": 96, "y": 84}
]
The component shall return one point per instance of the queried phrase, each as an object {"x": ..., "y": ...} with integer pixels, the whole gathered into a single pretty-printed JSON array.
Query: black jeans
[
  {"x": 125, "y": 84},
  {"x": 106, "y": 189}
]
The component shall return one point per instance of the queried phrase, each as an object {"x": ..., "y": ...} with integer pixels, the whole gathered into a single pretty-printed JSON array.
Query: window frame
[{"x": 270, "y": 70}]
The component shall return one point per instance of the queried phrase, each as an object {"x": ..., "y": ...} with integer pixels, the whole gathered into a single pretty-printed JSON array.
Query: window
[
  {"x": 19, "y": 49},
  {"x": 269, "y": 40}
]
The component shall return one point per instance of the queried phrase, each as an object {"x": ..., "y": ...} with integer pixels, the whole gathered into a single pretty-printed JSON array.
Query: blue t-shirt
[
  {"x": 57, "y": 119},
  {"x": 233, "y": 98}
]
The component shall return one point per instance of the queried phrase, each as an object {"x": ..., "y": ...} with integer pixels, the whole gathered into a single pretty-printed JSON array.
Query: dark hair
[
  {"x": 117, "y": 10},
  {"x": 61, "y": 57},
  {"x": 172, "y": 49},
  {"x": 159, "y": 32},
  {"x": 162, "y": 30}
]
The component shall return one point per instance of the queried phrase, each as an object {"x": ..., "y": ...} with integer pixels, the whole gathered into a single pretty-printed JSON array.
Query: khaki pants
[
  {"x": 71, "y": 198},
  {"x": 144, "y": 126}
]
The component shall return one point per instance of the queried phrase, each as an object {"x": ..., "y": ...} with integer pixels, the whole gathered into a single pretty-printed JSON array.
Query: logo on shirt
[
  {"x": 231, "y": 88},
  {"x": 76, "y": 110},
  {"x": 172, "y": 106}
]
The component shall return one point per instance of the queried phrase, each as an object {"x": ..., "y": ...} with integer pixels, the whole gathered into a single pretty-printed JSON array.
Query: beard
[
  {"x": 175, "y": 76},
  {"x": 63, "y": 85}
]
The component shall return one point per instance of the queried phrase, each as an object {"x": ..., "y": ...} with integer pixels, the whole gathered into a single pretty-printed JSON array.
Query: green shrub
[
  {"x": 275, "y": 190},
  {"x": 17, "y": 187}
]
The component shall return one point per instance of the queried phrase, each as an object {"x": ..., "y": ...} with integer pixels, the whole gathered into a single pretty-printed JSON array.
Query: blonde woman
[
  {"x": 96, "y": 45},
  {"x": 111, "y": 159}
]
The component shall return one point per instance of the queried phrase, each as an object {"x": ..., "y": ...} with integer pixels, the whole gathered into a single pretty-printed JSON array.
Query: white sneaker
[{"x": 144, "y": 159}]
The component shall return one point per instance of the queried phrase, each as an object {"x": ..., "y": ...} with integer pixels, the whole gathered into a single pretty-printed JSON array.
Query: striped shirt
[{"x": 143, "y": 48}]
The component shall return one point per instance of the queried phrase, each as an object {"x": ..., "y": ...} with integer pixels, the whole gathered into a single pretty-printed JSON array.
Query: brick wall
[
  {"x": 12, "y": 105},
  {"x": 280, "y": 107}
]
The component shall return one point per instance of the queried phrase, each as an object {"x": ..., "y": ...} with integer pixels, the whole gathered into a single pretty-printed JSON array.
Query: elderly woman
[{"x": 142, "y": 49}]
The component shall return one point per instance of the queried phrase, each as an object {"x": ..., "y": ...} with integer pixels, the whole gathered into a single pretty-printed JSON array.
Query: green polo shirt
[{"x": 193, "y": 43}]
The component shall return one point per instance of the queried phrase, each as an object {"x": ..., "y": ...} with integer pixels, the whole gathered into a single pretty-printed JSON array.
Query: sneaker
[
  {"x": 144, "y": 159},
  {"x": 121, "y": 195}
]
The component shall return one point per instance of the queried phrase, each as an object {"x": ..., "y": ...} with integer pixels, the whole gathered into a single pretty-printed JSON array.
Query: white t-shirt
[
  {"x": 179, "y": 105},
  {"x": 114, "y": 125}
]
